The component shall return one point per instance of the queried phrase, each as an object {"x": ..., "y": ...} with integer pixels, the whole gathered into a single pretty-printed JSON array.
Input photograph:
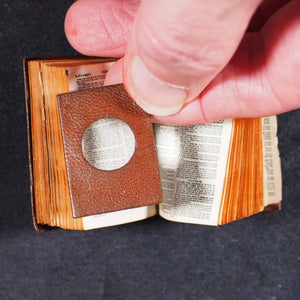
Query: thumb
[{"x": 177, "y": 47}]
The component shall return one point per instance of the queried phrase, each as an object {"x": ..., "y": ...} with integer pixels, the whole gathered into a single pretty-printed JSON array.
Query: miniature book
[{"x": 97, "y": 160}]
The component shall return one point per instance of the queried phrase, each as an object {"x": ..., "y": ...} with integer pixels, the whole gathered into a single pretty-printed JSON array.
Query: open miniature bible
[{"x": 210, "y": 174}]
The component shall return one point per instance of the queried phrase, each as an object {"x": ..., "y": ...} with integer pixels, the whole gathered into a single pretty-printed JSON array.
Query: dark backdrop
[{"x": 256, "y": 258}]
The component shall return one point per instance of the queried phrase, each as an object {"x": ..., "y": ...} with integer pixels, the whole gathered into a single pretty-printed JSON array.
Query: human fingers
[
  {"x": 262, "y": 79},
  {"x": 114, "y": 75},
  {"x": 176, "y": 47},
  {"x": 100, "y": 28},
  {"x": 266, "y": 9}
]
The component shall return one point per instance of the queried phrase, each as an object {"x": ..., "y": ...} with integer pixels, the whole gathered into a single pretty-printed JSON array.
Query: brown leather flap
[{"x": 95, "y": 191}]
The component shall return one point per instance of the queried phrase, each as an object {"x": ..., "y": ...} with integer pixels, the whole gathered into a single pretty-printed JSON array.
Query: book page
[
  {"x": 192, "y": 161},
  {"x": 118, "y": 217},
  {"x": 88, "y": 76},
  {"x": 92, "y": 76},
  {"x": 272, "y": 169}
]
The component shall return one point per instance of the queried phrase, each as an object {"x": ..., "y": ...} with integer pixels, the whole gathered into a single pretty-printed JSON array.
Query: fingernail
[{"x": 154, "y": 96}]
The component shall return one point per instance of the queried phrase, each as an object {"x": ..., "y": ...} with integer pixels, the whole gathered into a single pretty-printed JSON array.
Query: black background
[{"x": 256, "y": 258}]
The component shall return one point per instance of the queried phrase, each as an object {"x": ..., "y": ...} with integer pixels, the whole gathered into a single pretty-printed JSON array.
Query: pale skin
[{"x": 196, "y": 61}]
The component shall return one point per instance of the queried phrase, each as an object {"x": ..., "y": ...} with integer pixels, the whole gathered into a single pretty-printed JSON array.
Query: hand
[{"x": 196, "y": 61}]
